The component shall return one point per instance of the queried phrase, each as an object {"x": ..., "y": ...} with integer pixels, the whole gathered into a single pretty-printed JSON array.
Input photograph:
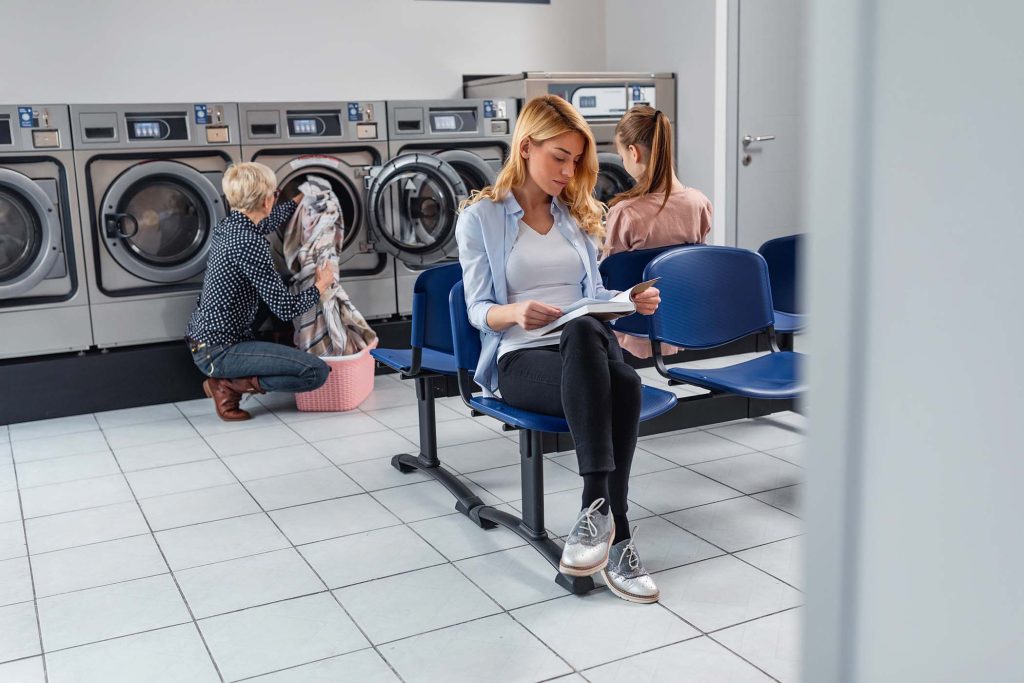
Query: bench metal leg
[
  {"x": 531, "y": 527},
  {"x": 427, "y": 461}
]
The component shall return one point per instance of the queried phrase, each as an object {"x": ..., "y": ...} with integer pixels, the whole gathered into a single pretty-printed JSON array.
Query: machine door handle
[
  {"x": 112, "y": 222},
  {"x": 751, "y": 139}
]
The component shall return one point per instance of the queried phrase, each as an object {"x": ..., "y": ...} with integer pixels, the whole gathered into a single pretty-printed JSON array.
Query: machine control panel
[
  {"x": 605, "y": 100},
  {"x": 154, "y": 125},
  {"x": 29, "y": 127},
  {"x": 457, "y": 118},
  {"x": 282, "y": 123}
]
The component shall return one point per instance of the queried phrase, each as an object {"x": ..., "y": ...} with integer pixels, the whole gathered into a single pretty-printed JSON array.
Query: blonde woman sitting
[{"x": 527, "y": 248}]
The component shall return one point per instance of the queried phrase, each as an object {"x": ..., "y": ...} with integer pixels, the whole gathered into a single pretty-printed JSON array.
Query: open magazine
[{"x": 618, "y": 306}]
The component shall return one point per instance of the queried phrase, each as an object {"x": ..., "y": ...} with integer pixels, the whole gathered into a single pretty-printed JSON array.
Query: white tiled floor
[{"x": 161, "y": 544}]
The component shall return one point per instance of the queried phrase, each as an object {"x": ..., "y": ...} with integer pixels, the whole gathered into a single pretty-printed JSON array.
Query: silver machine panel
[
  {"x": 44, "y": 306},
  {"x": 441, "y": 152},
  {"x": 152, "y": 175},
  {"x": 344, "y": 142}
]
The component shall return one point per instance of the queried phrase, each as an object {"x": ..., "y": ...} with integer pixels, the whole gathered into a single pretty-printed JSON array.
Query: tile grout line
[
  {"x": 163, "y": 556},
  {"x": 409, "y": 524},
  {"x": 491, "y": 598},
  {"x": 28, "y": 559},
  {"x": 312, "y": 569}
]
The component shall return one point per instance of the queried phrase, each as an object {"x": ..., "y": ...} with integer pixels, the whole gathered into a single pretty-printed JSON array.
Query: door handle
[
  {"x": 113, "y": 223},
  {"x": 751, "y": 139}
]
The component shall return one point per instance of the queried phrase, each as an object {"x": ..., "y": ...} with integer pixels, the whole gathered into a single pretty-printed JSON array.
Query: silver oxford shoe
[
  {"x": 626, "y": 576},
  {"x": 586, "y": 549}
]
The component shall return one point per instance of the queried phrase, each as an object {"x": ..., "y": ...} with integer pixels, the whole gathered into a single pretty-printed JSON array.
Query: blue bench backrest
[
  {"x": 431, "y": 327},
  {"x": 710, "y": 296},
  {"x": 783, "y": 258},
  {"x": 623, "y": 270}
]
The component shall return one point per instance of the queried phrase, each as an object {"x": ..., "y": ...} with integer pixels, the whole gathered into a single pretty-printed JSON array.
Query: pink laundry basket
[{"x": 348, "y": 385}]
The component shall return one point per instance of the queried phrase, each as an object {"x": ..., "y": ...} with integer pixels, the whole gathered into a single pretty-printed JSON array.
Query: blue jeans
[{"x": 278, "y": 367}]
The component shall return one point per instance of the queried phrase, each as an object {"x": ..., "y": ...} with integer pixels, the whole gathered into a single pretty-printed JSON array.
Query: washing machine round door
[
  {"x": 612, "y": 177},
  {"x": 158, "y": 219},
  {"x": 294, "y": 173},
  {"x": 29, "y": 234},
  {"x": 474, "y": 170},
  {"x": 413, "y": 207}
]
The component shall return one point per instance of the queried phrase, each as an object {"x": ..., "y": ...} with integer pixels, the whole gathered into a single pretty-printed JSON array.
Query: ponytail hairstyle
[
  {"x": 543, "y": 118},
  {"x": 649, "y": 130}
]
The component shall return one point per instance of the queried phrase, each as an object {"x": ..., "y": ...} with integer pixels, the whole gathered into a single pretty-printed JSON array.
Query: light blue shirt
[{"x": 486, "y": 233}]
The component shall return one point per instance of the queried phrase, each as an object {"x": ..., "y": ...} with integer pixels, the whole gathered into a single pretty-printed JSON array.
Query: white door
[{"x": 768, "y": 144}]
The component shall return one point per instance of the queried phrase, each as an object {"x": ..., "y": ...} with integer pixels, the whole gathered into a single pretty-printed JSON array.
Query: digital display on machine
[
  {"x": 588, "y": 102},
  {"x": 447, "y": 122},
  {"x": 147, "y": 129},
  {"x": 304, "y": 126},
  {"x": 453, "y": 121}
]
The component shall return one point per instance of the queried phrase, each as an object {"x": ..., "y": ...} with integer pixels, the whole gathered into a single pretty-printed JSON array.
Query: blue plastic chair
[
  {"x": 623, "y": 270},
  {"x": 430, "y": 358},
  {"x": 532, "y": 425},
  {"x": 712, "y": 296},
  {"x": 783, "y": 258}
]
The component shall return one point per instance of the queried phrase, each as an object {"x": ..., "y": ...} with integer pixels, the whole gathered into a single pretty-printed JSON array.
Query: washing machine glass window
[
  {"x": 612, "y": 177},
  {"x": 475, "y": 172},
  {"x": 158, "y": 220},
  {"x": 414, "y": 202},
  {"x": 20, "y": 236},
  {"x": 169, "y": 223}
]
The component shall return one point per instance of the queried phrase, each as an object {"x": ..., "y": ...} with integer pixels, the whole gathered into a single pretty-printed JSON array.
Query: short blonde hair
[{"x": 247, "y": 185}]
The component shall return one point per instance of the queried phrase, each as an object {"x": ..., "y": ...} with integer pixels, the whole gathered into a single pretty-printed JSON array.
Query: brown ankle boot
[
  {"x": 247, "y": 385},
  {"x": 225, "y": 399}
]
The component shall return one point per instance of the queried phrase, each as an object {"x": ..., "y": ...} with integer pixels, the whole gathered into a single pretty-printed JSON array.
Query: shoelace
[
  {"x": 630, "y": 551},
  {"x": 588, "y": 517}
]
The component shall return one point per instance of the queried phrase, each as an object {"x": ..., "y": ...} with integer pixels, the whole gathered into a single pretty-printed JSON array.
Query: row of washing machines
[{"x": 106, "y": 211}]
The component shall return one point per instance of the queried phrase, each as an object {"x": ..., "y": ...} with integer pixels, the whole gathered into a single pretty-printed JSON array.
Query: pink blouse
[{"x": 637, "y": 224}]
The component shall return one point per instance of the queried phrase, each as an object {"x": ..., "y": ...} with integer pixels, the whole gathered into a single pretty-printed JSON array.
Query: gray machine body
[
  {"x": 343, "y": 142},
  {"x": 602, "y": 98},
  {"x": 151, "y": 196},
  {"x": 441, "y": 150},
  {"x": 44, "y": 304}
]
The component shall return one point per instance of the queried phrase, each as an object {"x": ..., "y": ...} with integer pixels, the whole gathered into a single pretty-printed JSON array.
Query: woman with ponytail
[
  {"x": 658, "y": 211},
  {"x": 527, "y": 245}
]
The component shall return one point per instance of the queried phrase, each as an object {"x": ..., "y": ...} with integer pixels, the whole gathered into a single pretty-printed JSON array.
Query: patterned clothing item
[
  {"x": 239, "y": 273},
  {"x": 314, "y": 236}
]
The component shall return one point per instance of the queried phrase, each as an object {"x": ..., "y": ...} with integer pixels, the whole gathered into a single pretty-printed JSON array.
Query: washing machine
[
  {"x": 440, "y": 152},
  {"x": 342, "y": 142},
  {"x": 150, "y": 178},
  {"x": 44, "y": 304},
  {"x": 602, "y": 98}
]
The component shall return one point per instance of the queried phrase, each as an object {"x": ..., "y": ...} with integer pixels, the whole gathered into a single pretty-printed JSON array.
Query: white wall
[
  {"x": 914, "y": 507},
  {"x": 241, "y": 50},
  {"x": 681, "y": 36}
]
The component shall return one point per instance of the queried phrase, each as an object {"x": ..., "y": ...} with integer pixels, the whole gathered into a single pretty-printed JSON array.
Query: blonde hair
[
  {"x": 543, "y": 118},
  {"x": 247, "y": 185},
  {"x": 649, "y": 129}
]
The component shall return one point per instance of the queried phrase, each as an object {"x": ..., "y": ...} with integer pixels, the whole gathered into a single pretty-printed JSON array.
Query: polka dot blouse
[{"x": 240, "y": 272}]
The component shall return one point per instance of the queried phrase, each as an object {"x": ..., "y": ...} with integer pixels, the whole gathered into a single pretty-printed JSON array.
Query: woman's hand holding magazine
[{"x": 624, "y": 303}]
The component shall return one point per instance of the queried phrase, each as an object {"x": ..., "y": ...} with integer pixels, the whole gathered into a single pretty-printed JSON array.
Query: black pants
[{"x": 584, "y": 380}]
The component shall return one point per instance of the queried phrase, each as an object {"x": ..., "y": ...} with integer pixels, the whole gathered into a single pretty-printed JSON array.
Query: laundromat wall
[{"x": 242, "y": 51}]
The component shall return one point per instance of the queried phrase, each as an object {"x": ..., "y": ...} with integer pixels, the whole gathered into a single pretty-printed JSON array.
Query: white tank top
[{"x": 543, "y": 268}]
